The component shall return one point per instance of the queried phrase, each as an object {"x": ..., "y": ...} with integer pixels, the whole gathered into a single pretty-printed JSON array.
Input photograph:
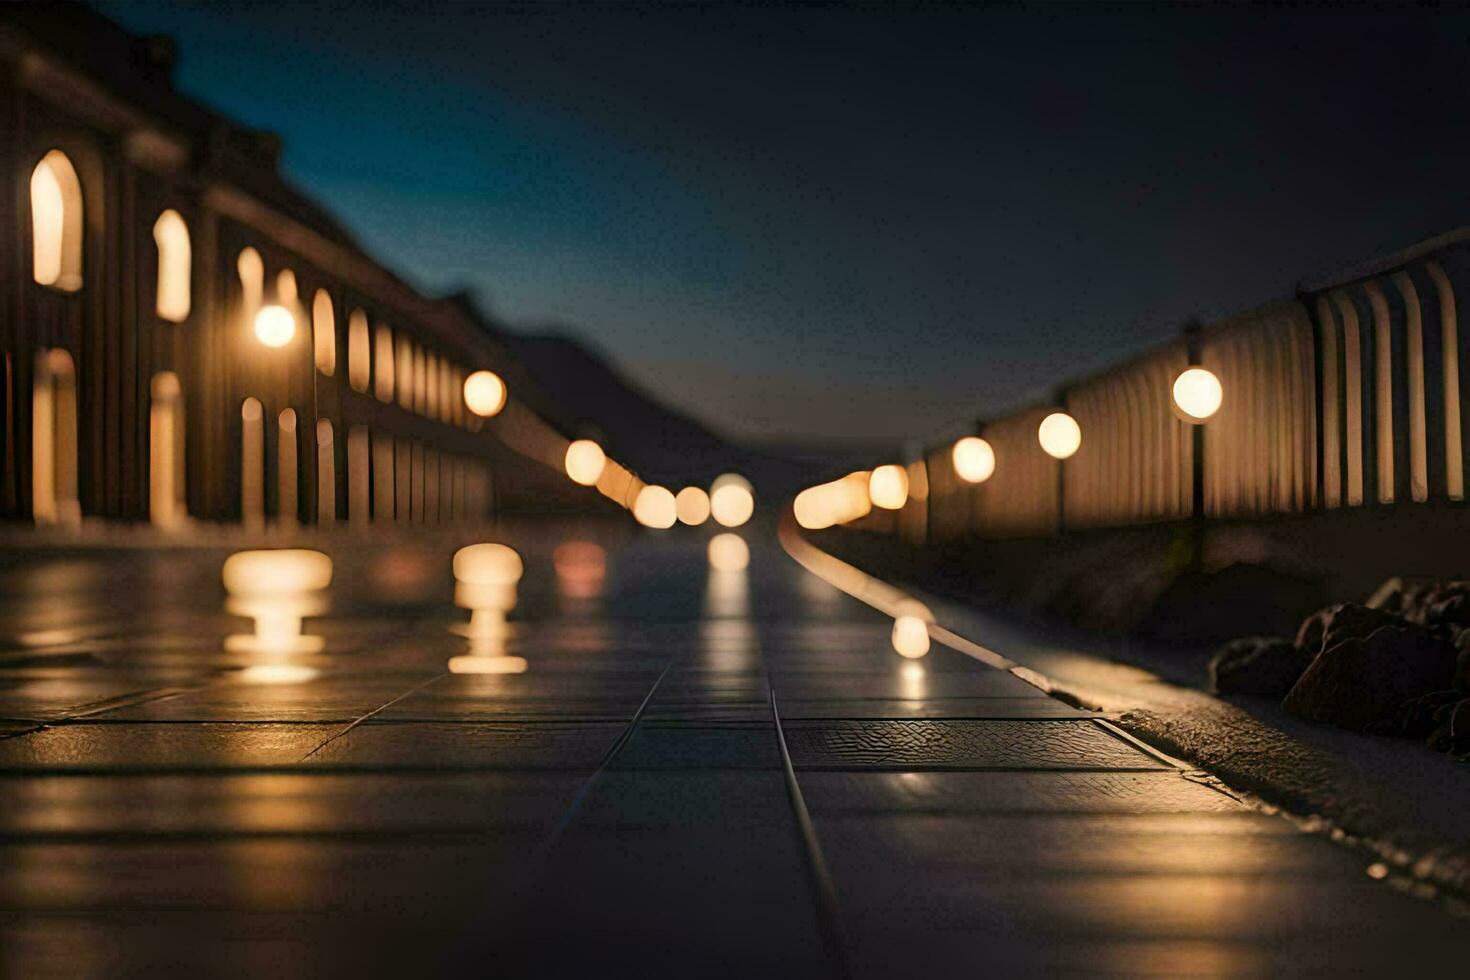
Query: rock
[
  {"x": 1363, "y": 683},
  {"x": 1462, "y": 663},
  {"x": 1340, "y": 622},
  {"x": 1453, "y": 734},
  {"x": 1257, "y": 665},
  {"x": 1438, "y": 604},
  {"x": 1421, "y": 717}
]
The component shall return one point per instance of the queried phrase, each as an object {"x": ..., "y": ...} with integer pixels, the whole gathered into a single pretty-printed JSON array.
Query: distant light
[
  {"x": 585, "y": 461},
  {"x": 581, "y": 567},
  {"x": 731, "y": 500},
  {"x": 484, "y": 393},
  {"x": 1197, "y": 394},
  {"x": 1059, "y": 435},
  {"x": 274, "y": 326},
  {"x": 974, "y": 460},
  {"x": 910, "y": 637},
  {"x": 655, "y": 507},
  {"x": 888, "y": 487},
  {"x": 278, "y": 589},
  {"x": 728, "y": 552},
  {"x": 692, "y": 506}
]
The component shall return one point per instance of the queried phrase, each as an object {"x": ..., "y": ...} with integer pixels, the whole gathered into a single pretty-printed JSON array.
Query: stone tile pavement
[{"x": 721, "y": 773}]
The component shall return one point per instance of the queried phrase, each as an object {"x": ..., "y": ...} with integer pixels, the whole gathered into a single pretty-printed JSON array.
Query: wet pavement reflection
[{"x": 579, "y": 750}]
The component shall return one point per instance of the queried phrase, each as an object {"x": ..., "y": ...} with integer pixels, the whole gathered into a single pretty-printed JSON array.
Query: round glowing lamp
[
  {"x": 484, "y": 393},
  {"x": 655, "y": 507},
  {"x": 692, "y": 506},
  {"x": 1060, "y": 435},
  {"x": 274, "y": 326},
  {"x": 888, "y": 487},
  {"x": 974, "y": 460},
  {"x": 731, "y": 500},
  {"x": 584, "y": 462},
  {"x": 1197, "y": 394},
  {"x": 728, "y": 552}
]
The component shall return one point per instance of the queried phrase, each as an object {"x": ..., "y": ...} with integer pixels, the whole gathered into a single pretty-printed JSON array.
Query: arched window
[
  {"x": 166, "y": 504},
  {"x": 252, "y": 464},
  {"x": 286, "y": 292},
  {"x": 252, "y": 285},
  {"x": 171, "y": 236},
  {"x": 287, "y": 505},
  {"x": 383, "y": 364},
  {"x": 324, "y": 333},
  {"x": 56, "y": 223},
  {"x": 403, "y": 372},
  {"x": 326, "y": 473},
  {"x": 359, "y": 356},
  {"x": 54, "y": 441}
]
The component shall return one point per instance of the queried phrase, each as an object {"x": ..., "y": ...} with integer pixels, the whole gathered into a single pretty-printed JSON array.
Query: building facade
[{"x": 187, "y": 337}]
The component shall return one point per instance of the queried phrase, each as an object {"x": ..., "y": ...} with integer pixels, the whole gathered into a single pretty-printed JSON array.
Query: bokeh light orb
[
  {"x": 888, "y": 487},
  {"x": 1060, "y": 435},
  {"x": 692, "y": 506},
  {"x": 585, "y": 461},
  {"x": 274, "y": 326},
  {"x": 974, "y": 459},
  {"x": 484, "y": 393},
  {"x": 728, "y": 552},
  {"x": 655, "y": 507},
  {"x": 910, "y": 637},
  {"x": 1197, "y": 394},
  {"x": 731, "y": 500}
]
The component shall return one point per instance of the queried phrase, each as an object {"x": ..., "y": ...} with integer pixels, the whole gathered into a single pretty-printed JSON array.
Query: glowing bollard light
[
  {"x": 655, "y": 507},
  {"x": 888, "y": 487},
  {"x": 484, "y": 393},
  {"x": 728, "y": 553},
  {"x": 277, "y": 589},
  {"x": 974, "y": 459},
  {"x": 910, "y": 637},
  {"x": 485, "y": 578},
  {"x": 1197, "y": 394},
  {"x": 691, "y": 505},
  {"x": 1060, "y": 435},
  {"x": 731, "y": 500},
  {"x": 584, "y": 462},
  {"x": 274, "y": 326}
]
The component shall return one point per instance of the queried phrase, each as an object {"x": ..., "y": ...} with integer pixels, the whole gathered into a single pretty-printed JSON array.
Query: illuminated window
[
  {"x": 166, "y": 506},
  {"x": 252, "y": 464},
  {"x": 252, "y": 284},
  {"x": 326, "y": 473},
  {"x": 403, "y": 372},
  {"x": 56, "y": 223},
  {"x": 383, "y": 364},
  {"x": 54, "y": 441},
  {"x": 324, "y": 333},
  {"x": 287, "y": 505},
  {"x": 171, "y": 236},
  {"x": 359, "y": 357}
]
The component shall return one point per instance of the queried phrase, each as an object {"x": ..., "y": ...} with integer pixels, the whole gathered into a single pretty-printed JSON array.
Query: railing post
[{"x": 1196, "y": 560}]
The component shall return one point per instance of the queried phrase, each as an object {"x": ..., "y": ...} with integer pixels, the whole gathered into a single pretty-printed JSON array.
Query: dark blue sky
[{"x": 853, "y": 222}]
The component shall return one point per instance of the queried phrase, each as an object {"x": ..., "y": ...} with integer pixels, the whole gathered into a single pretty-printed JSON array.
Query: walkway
[{"x": 700, "y": 774}]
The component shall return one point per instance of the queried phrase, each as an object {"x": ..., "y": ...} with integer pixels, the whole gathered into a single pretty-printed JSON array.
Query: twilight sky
[{"x": 852, "y": 223}]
